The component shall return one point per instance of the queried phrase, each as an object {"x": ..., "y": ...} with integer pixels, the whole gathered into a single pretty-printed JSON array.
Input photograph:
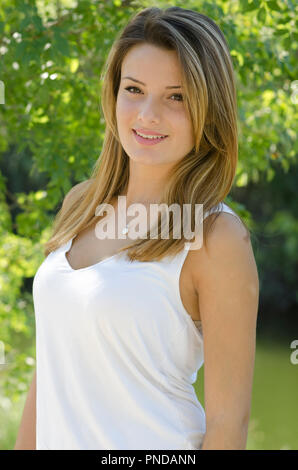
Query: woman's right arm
[{"x": 26, "y": 438}]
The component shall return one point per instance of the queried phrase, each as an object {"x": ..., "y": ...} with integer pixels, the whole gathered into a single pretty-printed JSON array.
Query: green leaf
[
  {"x": 61, "y": 43},
  {"x": 249, "y": 6},
  {"x": 270, "y": 174},
  {"x": 273, "y": 5},
  {"x": 281, "y": 31},
  {"x": 37, "y": 23},
  {"x": 262, "y": 14}
]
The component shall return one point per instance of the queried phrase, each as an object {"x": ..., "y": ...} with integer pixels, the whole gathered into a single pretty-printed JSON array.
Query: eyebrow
[{"x": 142, "y": 83}]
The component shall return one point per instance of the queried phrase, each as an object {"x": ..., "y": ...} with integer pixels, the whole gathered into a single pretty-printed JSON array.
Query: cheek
[
  {"x": 124, "y": 106},
  {"x": 182, "y": 125},
  {"x": 184, "y": 133}
]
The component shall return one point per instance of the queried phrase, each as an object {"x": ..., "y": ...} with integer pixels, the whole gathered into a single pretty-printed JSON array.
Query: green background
[{"x": 51, "y": 132}]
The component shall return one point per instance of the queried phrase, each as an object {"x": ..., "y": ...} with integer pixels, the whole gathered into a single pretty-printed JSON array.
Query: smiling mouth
[{"x": 150, "y": 138}]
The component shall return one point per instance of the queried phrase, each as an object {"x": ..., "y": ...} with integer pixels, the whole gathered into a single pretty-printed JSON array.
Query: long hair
[{"x": 205, "y": 175}]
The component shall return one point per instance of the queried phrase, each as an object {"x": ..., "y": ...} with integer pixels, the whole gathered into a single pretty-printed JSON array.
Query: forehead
[{"x": 147, "y": 62}]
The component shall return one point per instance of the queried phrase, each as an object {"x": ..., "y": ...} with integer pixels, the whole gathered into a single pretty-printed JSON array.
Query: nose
[{"x": 149, "y": 110}]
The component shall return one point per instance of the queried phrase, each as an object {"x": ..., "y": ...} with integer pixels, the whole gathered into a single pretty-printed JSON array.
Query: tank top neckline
[
  {"x": 121, "y": 257},
  {"x": 67, "y": 246}
]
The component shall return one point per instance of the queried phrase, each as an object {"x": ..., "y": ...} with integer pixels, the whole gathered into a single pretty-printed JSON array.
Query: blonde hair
[{"x": 205, "y": 175}]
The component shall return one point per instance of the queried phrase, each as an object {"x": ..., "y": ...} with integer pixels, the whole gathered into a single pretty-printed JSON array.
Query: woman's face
[{"x": 152, "y": 106}]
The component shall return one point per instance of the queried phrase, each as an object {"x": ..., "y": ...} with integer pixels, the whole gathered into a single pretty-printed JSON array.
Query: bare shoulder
[
  {"x": 74, "y": 190},
  {"x": 228, "y": 240}
]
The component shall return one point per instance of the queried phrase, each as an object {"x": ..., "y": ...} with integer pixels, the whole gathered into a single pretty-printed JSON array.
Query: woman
[{"x": 119, "y": 324}]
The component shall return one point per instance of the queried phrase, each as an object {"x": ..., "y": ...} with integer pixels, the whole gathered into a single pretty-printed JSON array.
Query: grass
[{"x": 274, "y": 409}]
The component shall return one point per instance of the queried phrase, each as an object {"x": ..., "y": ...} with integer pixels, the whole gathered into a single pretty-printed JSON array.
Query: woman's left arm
[{"x": 226, "y": 280}]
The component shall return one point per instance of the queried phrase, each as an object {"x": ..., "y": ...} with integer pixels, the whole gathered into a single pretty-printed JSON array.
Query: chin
[{"x": 146, "y": 159}]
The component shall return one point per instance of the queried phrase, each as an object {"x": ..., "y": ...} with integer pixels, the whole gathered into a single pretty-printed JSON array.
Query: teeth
[{"x": 150, "y": 136}]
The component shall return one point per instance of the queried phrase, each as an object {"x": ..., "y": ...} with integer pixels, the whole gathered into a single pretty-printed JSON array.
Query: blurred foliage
[{"x": 51, "y": 131}]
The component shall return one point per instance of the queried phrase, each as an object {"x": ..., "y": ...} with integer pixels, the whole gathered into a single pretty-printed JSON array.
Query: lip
[
  {"x": 144, "y": 141},
  {"x": 146, "y": 132}
]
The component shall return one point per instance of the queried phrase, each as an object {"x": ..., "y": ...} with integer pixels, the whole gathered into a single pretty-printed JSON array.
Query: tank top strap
[
  {"x": 221, "y": 207},
  {"x": 174, "y": 264}
]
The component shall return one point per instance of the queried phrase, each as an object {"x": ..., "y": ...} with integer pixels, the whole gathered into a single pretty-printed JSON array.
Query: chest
[{"x": 87, "y": 250}]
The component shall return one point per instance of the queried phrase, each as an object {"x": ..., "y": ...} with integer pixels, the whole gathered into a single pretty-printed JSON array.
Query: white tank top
[{"x": 117, "y": 355}]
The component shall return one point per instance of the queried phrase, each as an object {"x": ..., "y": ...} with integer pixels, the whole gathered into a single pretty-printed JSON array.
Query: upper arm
[
  {"x": 226, "y": 280},
  {"x": 26, "y": 437}
]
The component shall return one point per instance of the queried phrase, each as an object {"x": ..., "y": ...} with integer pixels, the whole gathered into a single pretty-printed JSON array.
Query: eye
[
  {"x": 178, "y": 94},
  {"x": 129, "y": 87},
  {"x": 136, "y": 88}
]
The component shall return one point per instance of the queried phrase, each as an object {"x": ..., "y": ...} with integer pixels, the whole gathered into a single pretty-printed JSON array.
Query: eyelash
[{"x": 175, "y": 94}]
